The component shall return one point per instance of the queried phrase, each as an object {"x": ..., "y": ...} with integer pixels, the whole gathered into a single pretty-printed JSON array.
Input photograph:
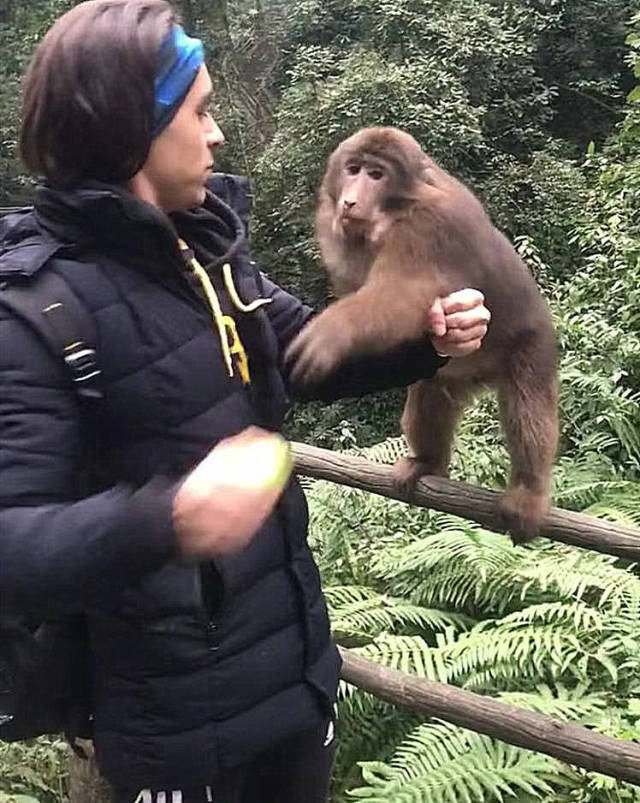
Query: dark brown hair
[{"x": 88, "y": 95}]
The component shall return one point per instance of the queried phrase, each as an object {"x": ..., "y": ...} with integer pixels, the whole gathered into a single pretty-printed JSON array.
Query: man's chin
[{"x": 191, "y": 201}]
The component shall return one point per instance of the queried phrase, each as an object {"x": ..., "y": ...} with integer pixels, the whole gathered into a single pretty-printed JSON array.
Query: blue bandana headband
[{"x": 180, "y": 59}]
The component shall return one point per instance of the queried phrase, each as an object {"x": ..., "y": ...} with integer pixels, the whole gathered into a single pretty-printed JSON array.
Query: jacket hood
[
  {"x": 24, "y": 246},
  {"x": 110, "y": 219}
]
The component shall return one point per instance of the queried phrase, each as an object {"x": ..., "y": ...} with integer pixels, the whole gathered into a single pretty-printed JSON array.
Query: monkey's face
[{"x": 363, "y": 187}]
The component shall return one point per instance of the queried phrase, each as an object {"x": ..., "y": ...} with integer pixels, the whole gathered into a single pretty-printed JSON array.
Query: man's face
[{"x": 181, "y": 157}]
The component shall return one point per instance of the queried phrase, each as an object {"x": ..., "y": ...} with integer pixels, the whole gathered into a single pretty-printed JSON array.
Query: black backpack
[{"x": 44, "y": 666}]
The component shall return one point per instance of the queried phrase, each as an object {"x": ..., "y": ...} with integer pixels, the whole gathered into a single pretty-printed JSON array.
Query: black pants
[{"x": 298, "y": 771}]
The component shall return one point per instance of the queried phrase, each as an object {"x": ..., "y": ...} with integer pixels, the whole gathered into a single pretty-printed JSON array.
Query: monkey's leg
[
  {"x": 428, "y": 422},
  {"x": 528, "y": 408}
]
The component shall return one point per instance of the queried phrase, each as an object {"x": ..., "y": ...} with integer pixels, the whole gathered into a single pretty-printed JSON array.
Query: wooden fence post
[{"x": 86, "y": 785}]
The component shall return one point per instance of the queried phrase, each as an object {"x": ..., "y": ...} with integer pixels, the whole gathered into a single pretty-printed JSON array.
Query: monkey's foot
[
  {"x": 408, "y": 470},
  {"x": 521, "y": 511}
]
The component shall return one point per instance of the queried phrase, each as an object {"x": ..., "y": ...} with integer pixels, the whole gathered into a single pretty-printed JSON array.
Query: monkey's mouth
[{"x": 353, "y": 225}]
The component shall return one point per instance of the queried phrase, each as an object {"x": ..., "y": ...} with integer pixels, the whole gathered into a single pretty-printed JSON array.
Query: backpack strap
[{"x": 51, "y": 309}]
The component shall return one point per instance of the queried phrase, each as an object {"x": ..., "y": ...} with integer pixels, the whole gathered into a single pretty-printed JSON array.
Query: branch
[
  {"x": 467, "y": 501},
  {"x": 572, "y": 744}
]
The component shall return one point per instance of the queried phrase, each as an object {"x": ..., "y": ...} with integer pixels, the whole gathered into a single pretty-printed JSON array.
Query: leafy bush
[{"x": 34, "y": 772}]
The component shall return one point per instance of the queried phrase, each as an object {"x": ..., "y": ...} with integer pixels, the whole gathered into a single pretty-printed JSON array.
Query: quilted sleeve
[{"x": 60, "y": 553}]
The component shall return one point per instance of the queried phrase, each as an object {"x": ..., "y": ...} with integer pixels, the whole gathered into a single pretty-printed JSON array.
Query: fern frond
[
  {"x": 483, "y": 551},
  {"x": 360, "y": 612},
  {"x": 578, "y": 615},
  {"x": 551, "y": 641},
  {"x": 409, "y": 654},
  {"x": 577, "y": 574},
  {"x": 389, "y": 451},
  {"x": 580, "y": 496},
  {"x": 544, "y": 641},
  {"x": 559, "y": 702},
  {"x": 454, "y": 568},
  {"x": 439, "y": 763}
]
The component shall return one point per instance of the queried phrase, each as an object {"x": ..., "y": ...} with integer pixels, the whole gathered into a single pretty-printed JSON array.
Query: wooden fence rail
[
  {"x": 475, "y": 504},
  {"x": 572, "y": 744}
]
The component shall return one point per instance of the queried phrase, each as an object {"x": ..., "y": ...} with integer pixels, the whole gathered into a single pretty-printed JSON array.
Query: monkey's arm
[
  {"x": 377, "y": 320},
  {"x": 400, "y": 367}
]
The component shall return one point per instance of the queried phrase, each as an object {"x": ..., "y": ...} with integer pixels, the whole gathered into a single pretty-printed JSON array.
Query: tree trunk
[{"x": 86, "y": 785}]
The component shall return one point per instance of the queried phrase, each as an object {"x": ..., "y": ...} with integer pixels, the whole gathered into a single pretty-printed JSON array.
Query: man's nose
[{"x": 215, "y": 137}]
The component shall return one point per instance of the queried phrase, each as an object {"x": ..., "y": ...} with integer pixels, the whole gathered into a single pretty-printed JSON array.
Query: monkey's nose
[{"x": 349, "y": 204}]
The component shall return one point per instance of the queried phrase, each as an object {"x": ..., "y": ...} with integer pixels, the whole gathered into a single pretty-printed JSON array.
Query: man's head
[
  {"x": 107, "y": 97},
  {"x": 180, "y": 159}
]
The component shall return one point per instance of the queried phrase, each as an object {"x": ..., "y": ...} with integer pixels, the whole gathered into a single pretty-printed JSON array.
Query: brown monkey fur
[{"x": 396, "y": 231}]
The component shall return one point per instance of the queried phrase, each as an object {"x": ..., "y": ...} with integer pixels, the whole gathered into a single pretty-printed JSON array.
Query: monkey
[{"x": 396, "y": 231}]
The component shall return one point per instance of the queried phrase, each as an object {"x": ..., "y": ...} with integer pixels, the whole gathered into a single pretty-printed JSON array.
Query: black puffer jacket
[{"x": 195, "y": 667}]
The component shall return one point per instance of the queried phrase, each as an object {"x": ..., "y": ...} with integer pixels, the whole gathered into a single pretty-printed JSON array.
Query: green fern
[
  {"x": 467, "y": 569},
  {"x": 359, "y": 614},
  {"x": 439, "y": 763},
  {"x": 388, "y": 451},
  {"x": 549, "y": 628},
  {"x": 559, "y": 702}
]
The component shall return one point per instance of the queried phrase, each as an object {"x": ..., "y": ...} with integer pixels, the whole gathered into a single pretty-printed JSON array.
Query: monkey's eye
[
  {"x": 376, "y": 174},
  {"x": 353, "y": 169}
]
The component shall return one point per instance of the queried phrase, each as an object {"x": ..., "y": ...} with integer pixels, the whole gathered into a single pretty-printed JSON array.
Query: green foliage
[
  {"x": 33, "y": 772},
  {"x": 347, "y": 422},
  {"x": 540, "y": 202},
  {"x": 549, "y": 628},
  {"x": 359, "y": 614},
  {"x": 21, "y": 27},
  {"x": 438, "y": 763},
  {"x": 580, "y": 52},
  {"x": 9, "y": 798}
]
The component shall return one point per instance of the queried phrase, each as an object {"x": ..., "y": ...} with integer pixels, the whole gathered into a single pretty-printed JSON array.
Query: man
[{"x": 213, "y": 673}]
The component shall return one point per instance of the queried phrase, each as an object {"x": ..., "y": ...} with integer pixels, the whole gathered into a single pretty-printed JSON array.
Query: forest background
[{"x": 534, "y": 104}]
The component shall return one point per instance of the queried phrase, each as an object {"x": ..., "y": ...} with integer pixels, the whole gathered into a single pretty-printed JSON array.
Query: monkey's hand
[{"x": 319, "y": 349}]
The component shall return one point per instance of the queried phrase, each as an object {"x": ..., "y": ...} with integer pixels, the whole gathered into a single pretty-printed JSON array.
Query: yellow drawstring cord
[
  {"x": 214, "y": 304},
  {"x": 235, "y": 298},
  {"x": 223, "y": 322}
]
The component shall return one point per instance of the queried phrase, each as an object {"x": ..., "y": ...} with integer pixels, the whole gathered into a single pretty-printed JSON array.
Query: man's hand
[
  {"x": 227, "y": 497},
  {"x": 458, "y": 323}
]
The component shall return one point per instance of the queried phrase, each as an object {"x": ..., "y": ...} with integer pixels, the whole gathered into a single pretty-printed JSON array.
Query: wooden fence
[{"x": 570, "y": 743}]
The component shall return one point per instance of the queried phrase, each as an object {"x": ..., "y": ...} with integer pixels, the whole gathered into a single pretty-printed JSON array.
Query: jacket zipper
[{"x": 211, "y": 593}]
